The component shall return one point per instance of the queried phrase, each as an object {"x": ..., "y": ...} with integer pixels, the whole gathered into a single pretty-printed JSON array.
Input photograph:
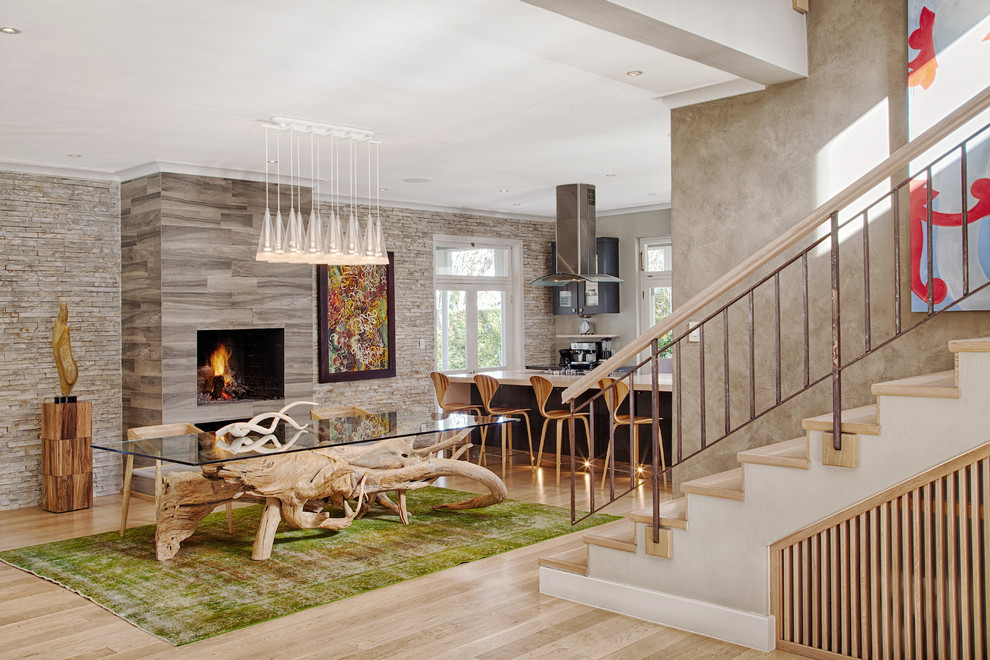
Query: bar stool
[
  {"x": 487, "y": 386},
  {"x": 440, "y": 385},
  {"x": 542, "y": 388},
  {"x": 148, "y": 433},
  {"x": 613, "y": 400}
]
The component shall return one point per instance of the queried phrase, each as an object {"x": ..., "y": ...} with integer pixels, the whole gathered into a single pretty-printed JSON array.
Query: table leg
[{"x": 266, "y": 530}]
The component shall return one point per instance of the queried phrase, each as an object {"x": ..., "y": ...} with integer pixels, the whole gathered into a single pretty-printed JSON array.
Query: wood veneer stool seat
[
  {"x": 542, "y": 388},
  {"x": 613, "y": 400},
  {"x": 487, "y": 386},
  {"x": 147, "y": 433},
  {"x": 440, "y": 385}
]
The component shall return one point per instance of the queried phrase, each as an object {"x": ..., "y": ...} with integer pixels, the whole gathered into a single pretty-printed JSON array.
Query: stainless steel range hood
[{"x": 576, "y": 246}]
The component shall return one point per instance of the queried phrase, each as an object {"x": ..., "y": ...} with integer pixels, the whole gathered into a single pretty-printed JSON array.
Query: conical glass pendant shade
[
  {"x": 279, "y": 233},
  {"x": 368, "y": 249},
  {"x": 314, "y": 234},
  {"x": 333, "y": 241},
  {"x": 352, "y": 240},
  {"x": 293, "y": 237},
  {"x": 380, "y": 250},
  {"x": 266, "y": 244}
]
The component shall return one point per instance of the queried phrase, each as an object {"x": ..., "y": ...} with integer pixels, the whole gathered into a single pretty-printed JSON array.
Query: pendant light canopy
[{"x": 315, "y": 241}]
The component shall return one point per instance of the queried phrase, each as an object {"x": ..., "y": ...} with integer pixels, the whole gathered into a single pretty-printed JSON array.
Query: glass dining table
[{"x": 296, "y": 468}]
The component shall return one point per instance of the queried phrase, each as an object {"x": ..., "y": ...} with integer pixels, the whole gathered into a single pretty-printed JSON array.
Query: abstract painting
[
  {"x": 356, "y": 318},
  {"x": 948, "y": 62}
]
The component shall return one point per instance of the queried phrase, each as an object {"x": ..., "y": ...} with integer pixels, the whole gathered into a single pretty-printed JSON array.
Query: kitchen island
[{"x": 516, "y": 391}]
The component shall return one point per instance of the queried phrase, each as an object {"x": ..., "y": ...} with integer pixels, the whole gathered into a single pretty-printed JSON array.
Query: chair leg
[
  {"x": 484, "y": 436},
  {"x": 543, "y": 435},
  {"x": 529, "y": 436},
  {"x": 230, "y": 518},
  {"x": 608, "y": 452},
  {"x": 506, "y": 437},
  {"x": 559, "y": 437},
  {"x": 128, "y": 473}
]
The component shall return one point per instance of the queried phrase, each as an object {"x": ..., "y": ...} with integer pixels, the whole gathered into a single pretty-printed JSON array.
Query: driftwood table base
[{"x": 297, "y": 486}]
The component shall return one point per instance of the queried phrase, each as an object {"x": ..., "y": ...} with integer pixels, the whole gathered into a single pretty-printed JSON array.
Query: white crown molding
[
  {"x": 155, "y": 167},
  {"x": 47, "y": 170},
  {"x": 660, "y": 206}
]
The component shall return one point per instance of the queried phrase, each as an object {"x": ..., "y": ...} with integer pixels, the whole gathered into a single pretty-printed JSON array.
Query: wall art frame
[{"x": 356, "y": 321}]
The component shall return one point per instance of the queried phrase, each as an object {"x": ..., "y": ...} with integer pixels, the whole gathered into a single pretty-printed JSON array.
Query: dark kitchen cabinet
[{"x": 591, "y": 297}]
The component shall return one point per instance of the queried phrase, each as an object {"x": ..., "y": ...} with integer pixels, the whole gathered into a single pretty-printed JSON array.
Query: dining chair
[
  {"x": 613, "y": 401},
  {"x": 542, "y": 389},
  {"x": 487, "y": 386},
  {"x": 148, "y": 433}
]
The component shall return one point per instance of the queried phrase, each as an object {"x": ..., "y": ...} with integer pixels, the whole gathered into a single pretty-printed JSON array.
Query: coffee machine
[{"x": 581, "y": 356}]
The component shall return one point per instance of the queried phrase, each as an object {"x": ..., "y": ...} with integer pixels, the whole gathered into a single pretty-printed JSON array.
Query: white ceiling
[{"x": 475, "y": 95}]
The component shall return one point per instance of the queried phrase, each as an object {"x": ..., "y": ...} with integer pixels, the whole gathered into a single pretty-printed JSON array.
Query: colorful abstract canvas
[
  {"x": 949, "y": 62},
  {"x": 356, "y": 322}
]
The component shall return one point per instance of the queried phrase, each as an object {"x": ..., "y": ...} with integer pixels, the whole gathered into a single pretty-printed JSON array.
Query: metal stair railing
[{"x": 913, "y": 194}]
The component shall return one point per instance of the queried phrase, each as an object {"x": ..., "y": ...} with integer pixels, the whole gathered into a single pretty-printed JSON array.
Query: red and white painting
[{"x": 949, "y": 62}]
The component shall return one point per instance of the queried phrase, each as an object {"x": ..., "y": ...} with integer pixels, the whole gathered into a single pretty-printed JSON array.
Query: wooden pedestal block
[{"x": 66, "y": 456}]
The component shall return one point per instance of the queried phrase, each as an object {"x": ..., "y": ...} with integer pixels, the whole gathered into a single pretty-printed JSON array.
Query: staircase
[{"x": 710, "y": 571}]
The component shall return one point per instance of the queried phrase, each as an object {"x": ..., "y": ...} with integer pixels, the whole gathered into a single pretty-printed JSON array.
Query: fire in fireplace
[{"x": 238, "y": 365}]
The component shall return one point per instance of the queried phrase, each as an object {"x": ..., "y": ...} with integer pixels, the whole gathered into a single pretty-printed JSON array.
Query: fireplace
[{"x": 239, "y": 365}]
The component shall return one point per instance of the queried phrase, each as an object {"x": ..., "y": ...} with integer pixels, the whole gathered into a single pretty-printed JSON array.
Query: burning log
[{"x": 216, "y": 390}]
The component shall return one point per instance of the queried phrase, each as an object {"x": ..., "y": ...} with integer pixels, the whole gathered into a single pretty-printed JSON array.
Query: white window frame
[
  {"x": 646, "y": 280},
  {"x": 511, "y": 284}
]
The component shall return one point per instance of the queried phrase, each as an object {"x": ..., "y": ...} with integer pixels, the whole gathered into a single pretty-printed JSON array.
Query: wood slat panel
[
  {"x": 903, "y": 579},
  {"x": 951, "y": 580}
]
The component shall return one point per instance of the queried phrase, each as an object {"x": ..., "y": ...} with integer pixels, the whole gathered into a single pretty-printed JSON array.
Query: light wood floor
[{"x": 488, "y": 609}]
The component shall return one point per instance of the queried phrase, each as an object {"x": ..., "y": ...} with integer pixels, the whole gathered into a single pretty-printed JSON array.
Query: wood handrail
[{"x": 896, "y": 161}]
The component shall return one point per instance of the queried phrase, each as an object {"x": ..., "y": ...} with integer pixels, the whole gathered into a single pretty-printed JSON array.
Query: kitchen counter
[{"x": 641, "y": 383}]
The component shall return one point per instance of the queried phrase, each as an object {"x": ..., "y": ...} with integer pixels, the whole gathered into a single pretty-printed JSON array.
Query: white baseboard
[{"x": 755, "y": 631}]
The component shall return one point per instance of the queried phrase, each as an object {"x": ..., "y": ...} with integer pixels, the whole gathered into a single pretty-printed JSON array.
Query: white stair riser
[{"x": 723, "y": 557}]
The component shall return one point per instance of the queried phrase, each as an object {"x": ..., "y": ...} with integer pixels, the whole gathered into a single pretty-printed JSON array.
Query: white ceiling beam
[{"x": 751, "y": 40}]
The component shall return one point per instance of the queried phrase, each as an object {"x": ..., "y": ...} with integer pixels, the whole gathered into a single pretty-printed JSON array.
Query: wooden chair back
[
  {"x": 542, "y": 388},
  {"x": 161, "y": 431},
  {"x": 340, "y": 411},
  {"x": 487, "y": 386},
  {"x": 440, "y": 385},
  {"x": 615, "y": 396}
]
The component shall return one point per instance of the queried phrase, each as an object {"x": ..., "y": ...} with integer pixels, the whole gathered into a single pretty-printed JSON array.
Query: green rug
[{"x": 212, "y": 586}]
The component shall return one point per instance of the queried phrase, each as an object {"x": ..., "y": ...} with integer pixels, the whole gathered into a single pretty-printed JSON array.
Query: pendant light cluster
[{"x": 338, "y": 240}]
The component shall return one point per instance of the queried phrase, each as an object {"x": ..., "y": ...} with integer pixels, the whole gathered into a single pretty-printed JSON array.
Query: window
[
  {"x": 654, "y": 283},
  {"x": 478, "y": 284}
]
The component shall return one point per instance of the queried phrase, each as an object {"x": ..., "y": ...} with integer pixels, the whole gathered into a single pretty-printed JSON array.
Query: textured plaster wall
[
  {"x": 744, "y": 170},
  {"x": 61, "y": 242}
]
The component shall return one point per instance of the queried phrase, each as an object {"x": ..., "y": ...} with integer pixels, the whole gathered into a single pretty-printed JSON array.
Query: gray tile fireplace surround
[{"x": 187, "y": 252}]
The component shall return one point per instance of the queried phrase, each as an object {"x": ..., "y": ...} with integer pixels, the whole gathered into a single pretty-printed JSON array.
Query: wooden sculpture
[
  {"x": 297, "y": 486},
  {"x": 67, "y": 371}
]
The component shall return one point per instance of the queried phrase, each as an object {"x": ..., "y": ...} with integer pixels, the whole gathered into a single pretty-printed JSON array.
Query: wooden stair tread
[
  {"x": 790, "y": 453},
  {"x": 975, "y": 345},
  {"x": 673, "y": 513},
  {"x": 855, "y": 420},
  {"x": 728, "y": 485},
  {"x": 620, "y": 535},
  {"x": 939, "y": 385},
  {"x": 572, "y": 560}
]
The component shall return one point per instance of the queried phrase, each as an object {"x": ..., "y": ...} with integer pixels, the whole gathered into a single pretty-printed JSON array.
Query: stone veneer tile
[{"x": 61, "y": 241}]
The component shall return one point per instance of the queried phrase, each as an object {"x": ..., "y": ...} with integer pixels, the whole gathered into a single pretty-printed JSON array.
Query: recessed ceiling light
[
  {"x": 633, "y": 74},
  {"x": 651, "y": 194},
  {"x": 9, "y": 30},
  {"x": 609, "y": 175},
  {"x": 417, "y": 179},
  {"x": 517, "y": 203},
  {"x": 382, "y": 189},
  {"x": 75, "y": 155},
  {"x": 273, "y": 161},
  {"x": 503, "y": 190}
]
